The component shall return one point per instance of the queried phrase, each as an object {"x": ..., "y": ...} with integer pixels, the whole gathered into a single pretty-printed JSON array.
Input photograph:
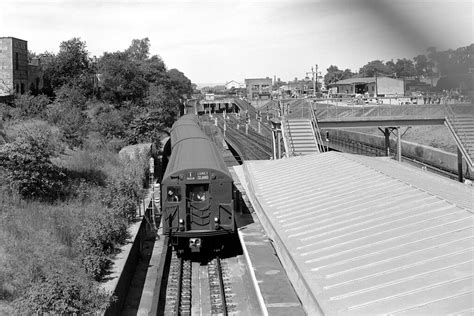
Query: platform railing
[
  {"x": 287, "y": 141},
  {"x": 331, "y": 112},
  {"x": 317, "y": 130},
  {"x": 459, "y": 134}
]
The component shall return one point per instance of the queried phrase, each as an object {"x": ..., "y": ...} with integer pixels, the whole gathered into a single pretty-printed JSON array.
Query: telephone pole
[
  {"x": 315, "y": 80},
  {"x": 314, "y": 72}
]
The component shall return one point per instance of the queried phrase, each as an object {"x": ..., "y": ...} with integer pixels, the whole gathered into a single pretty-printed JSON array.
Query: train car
[{"x": 197, "y": 190}]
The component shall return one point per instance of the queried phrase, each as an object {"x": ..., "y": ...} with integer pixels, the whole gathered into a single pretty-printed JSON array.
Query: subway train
[{"x": 197, "y": 190}]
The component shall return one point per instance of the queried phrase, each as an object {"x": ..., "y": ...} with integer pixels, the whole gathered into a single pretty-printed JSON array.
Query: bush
[
  {"x": 27, "y": 162},
  {"x": 124, "y": 185},
  {"x": 62, "y": 293},
  {"x": 109, "y": 124},
  {"x": 71, "y": 120},
  {"x": 100, "y": 237},
  {"x": 27, "y": 106}
]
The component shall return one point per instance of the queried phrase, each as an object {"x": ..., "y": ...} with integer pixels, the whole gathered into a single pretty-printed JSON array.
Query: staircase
[
  {"x": 462, "y": 130},
  {"x": 300, "y": 137}
]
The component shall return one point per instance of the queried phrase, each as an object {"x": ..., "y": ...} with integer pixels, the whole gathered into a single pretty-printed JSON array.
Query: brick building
[
  {"x": 16, "y": 74},
  {"x": 259, "y": 89}
]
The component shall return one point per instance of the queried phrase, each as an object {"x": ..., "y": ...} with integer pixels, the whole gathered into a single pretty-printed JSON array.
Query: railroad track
[
  {"x": 253, "y": 145},
  {"x": 180, "y": 288}
]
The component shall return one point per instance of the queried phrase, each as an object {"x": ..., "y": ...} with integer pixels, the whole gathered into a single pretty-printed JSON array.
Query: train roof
[
  {"x": 187, "y": 127},
  {"x": 195, "y": 154}
]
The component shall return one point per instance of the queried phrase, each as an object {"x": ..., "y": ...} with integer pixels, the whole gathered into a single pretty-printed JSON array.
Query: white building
[{"x": 234, "y": 84}]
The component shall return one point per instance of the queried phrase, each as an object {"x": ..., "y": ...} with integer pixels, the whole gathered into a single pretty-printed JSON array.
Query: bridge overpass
[{"x": 459, "y": 119}]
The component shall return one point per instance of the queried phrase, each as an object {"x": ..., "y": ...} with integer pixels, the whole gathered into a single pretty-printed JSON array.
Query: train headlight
[
  {"x": 216, "y": 222},
  {"x": 181, "y": 224}
]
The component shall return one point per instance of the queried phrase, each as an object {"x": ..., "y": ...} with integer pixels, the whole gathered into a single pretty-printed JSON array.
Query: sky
[{"x": 223, "y": 40}]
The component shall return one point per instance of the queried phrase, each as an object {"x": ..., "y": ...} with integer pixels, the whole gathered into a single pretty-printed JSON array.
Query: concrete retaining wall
[
  {"x": 124, "y": 264},
  {"x": 422, "y": 153}
]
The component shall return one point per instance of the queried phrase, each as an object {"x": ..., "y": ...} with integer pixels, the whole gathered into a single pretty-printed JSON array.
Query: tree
[
  {"x": 335, "y": 74},
  {"x": 121, "y": 78},
  {"x": 423, "y": 67},
  {"x": 71, "y": 66},
  {"x": 180, "y": 82},
  {"x": 139, "y": 49},
  {"x": 154, "y": 70},
  {"x": 148, "y": 126},
  {"x": 375, "y": 67},
  {"x": 404, "y": 68}
]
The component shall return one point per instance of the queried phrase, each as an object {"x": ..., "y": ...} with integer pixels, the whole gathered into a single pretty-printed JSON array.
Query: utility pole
[
  {"x": 314, "y": 72},
  {"x": 315, "y": 80}
]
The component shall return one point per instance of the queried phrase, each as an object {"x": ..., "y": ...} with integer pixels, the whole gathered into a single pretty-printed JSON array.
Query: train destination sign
[{"x": 199, "y": 175}]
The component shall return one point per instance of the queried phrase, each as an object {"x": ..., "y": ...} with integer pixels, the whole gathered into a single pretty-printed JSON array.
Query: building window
[{"x": 16, "y": 61}]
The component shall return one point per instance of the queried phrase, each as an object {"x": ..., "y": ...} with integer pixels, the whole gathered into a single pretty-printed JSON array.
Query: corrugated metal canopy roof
[{"x": 371, "y": 235}]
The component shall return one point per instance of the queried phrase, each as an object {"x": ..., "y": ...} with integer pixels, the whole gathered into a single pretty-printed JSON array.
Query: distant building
[
  {"x": 374, "y": 86},
  {"x": 259, "y": 88},
  {"x": 16, "y": 74},
  {"x": 301, "y": 87},
  {"x": 209, "y": 96},
  {"x": 234, "y": 84}
]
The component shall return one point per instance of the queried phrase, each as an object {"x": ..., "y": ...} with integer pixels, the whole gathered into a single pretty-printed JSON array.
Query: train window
[
  {"x": 174, "y": 194},
  {"x": 198, "y": 192}
]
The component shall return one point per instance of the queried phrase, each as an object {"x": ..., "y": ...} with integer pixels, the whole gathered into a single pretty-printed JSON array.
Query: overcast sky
[{"x": 222, "y": 40}]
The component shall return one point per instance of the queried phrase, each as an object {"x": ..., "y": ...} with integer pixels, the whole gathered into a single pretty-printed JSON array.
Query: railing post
[
  {"x": 399, "y": 145},
  {"x": 460, "y": 176}
]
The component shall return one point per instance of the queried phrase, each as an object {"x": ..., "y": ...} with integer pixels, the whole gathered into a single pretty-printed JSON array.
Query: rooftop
[{"x": 369, "y": 235}]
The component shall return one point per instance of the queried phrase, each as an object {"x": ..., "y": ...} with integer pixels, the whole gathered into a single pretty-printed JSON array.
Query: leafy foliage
[
  {"x": 100, "y": 236},
  {"x": 77, "y": 195},
  {"x": 375, "y": 67},
  {"x": 71, "y": 66},
  {"x": 28, "y": 166},
  {"x": 62, "y": 293},
  {"x": 180, "y": 82},
  {"x": 335, "y": 74},
  {"x": 29, "y": 106},
  {"x": 121, "y": 78}
]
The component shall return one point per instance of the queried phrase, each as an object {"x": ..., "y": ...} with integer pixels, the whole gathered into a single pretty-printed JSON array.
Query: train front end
[{"x": 198, "y": 207}]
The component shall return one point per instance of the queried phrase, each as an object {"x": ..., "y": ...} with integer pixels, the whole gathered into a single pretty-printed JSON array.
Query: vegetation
[{"x": 67, "y": 196}]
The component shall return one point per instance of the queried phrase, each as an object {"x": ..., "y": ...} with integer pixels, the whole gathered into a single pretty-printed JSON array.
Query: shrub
[
  {"x": 62, "y": 293},
  {"x": 27, "y": 162},
  {"x": 109, "y": 124},
  {"x": 124, "y": 186},
  {"x": 71, "y": 120},
  {"x": 27, "y": 105},
  {"x": 100, "y": 237}
]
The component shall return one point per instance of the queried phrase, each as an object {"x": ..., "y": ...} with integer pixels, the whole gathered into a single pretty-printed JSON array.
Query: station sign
[{"x": 197, "y": 175}]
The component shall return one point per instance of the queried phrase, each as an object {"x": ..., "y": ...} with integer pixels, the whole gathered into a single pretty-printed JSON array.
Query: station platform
[
  {"x": 363, "y": 235},
  {"x": 278, "y": 297}
]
